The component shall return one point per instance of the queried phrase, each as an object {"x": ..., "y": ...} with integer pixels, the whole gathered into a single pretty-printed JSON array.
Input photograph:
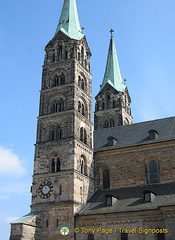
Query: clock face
[{"x": 45, "y": 189}]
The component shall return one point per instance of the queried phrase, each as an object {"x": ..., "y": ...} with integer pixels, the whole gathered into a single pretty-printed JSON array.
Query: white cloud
[{"x": 10, "y": 163}]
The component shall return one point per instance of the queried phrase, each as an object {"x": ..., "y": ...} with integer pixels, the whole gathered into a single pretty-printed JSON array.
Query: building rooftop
[
  {"x": 25, "y": 218},
  {"x": 135, "y": 134},
  {"x": 130, "y": 199}
]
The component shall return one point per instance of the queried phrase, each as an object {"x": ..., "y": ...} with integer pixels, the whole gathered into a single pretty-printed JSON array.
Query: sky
[{"x": 145, "y": 40}]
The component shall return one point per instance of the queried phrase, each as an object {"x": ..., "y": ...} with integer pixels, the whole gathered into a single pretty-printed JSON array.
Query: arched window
[
  {"x": 82, "y": 108},
  {"x": 53, "y": 107},
  {"x": 85, "y": 63},
  {"x": 82, "y": 166},
  {"x": 59, "y": 80},
  {"x": 55, "y": 133},
  {"x": 60, "y": 52},
  {"x": 57, "y": 106},
  {"x": 83, "y": 135},
  {"x": 61, "y": 105},
  {"x": 108, "y": 123},
  {"x": 82, "y": 52},
  {"x": 55, "y": 81},
  {"x": 62, "y": 79},
  {"x": 108, "y": 101},
  {"x": 111, "y": 123},
  {"x": 52, "y": 135},
  {"x": 79, "y": 106},
  {"x": 55, "y": 163},
  {"x": 53, "y": 58},
  {"x": 106, "y": 179},
  {"x": 58, "y": 165},
  {"x": 81, "y": 82},
  {"x": 59, "y": 132},
  {"x": 105, "y": 125},
  {"x": 153, "y": 172}
]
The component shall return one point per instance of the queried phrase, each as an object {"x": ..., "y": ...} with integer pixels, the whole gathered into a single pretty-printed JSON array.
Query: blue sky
[{"x": 145, "y": 40}]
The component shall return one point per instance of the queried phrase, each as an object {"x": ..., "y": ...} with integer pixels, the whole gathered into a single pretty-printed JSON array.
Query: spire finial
[
  {"x": 112, "y": 31},
  {"x": 82, "y": 30}
]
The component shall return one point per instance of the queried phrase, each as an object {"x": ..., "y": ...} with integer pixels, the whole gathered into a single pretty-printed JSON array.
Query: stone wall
[
  {"x": 129, "y": 166},
  {"x": 143, "y": 225}
]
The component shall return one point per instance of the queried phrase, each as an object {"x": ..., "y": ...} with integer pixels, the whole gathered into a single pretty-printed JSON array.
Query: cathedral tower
[
  {"x": 63, "y": 166},
  {"x": 113, "y": 101},
  {"x": 63, "y": 175}
]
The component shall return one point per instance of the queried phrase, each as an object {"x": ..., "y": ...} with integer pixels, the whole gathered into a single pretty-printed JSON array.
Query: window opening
[
  {"x": 106, "y": 179},
  {"x": 57, "y": 223},
  {"x": 82, "y": 109},
  {"x": 160, "y": 236},
  {"x": 60, "y": 52},
  {"x": 124, "y": 236},
  {"x": 108, "y": 101},
  {"x": 53, "y": 166},
  {"x": 82, "y": 167},
  {"x": 58, "y": 165},
  {"x": 53, "y": 58},
  {"x": 47, "y": 223},
  {"x": 153, "y": 172},
  {"x": 60, "y": 190},
  {"x": 90, "y": 236}
]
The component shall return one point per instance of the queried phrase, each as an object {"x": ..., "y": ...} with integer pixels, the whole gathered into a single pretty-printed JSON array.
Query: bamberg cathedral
[{"x": 114, "y": 183}]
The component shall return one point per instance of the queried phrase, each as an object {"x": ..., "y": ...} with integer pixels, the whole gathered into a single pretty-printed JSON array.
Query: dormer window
[
  {"x": 148, "y": 196},
  {"x": 111, "y": 141},
  {"x": 110, "y": 200},
  {"x": 153, "y": 134}
]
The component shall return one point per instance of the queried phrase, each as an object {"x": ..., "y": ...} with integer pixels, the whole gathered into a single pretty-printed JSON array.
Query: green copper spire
[
  {"x": 112, "y": 72},
  {"x": 69, "y": 22}
]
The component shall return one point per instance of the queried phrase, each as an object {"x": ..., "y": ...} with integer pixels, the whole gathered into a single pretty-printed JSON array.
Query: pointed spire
[
  {"x": 112, "y": 72},
  {"x": 69, "y": 22}
]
